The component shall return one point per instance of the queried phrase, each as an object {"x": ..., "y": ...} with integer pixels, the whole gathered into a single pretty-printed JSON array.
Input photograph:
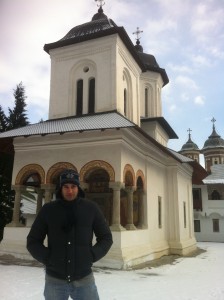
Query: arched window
[
  {"x": 146, "y": 102},
  {"x": 125, "y": 102},
  {"x": 32, "y": 180},
  {"x": 91, "y": 108},
  {"x": 79, "y": 106},
  {"x": 215, "y": 195}
]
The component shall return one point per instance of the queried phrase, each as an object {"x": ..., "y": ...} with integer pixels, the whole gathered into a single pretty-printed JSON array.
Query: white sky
[
  {"x": 186, "y": 38},
  {"x": 196, "y": 278}
]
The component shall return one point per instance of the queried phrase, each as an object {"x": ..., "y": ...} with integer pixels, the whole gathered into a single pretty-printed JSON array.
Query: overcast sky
[{"x": 186, "y": 38}]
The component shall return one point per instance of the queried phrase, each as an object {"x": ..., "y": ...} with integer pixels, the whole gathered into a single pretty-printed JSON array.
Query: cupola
[
  {"x": 190, "y": 149},
  {"x": 213, "y": 149}
]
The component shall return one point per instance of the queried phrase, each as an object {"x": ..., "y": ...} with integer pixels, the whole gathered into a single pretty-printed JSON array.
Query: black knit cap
[{"x": 69, "y": 176}]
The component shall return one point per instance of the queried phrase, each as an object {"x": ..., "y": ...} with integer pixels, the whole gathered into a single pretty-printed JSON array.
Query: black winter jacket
[{"x": 69, "y": 227}]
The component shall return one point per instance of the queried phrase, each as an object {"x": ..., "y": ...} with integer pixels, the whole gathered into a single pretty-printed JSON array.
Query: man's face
[{"x": 69, "y": 191}]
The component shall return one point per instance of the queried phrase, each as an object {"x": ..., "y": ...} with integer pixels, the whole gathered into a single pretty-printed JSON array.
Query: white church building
[
  {"x": 208, "y": 194},
  {"x": 106, "y": 122}
]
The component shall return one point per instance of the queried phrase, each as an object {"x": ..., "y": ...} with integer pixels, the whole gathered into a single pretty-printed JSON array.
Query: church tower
[
  {"x": 190, "y": 149},
  {"x": 213, "y": 149},
  {"x": 95, "y": 68}
]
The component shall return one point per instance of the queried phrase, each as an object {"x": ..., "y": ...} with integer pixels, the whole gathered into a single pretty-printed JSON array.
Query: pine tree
[
  {"x": 17, "y": 116},
  {"x": 3, "y": 122},
  {"x": 6, "y": 194}
]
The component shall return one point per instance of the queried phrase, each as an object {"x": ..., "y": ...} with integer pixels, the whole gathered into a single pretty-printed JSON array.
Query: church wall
[
  {"x": 155, "y": 189},
  {"x": 157, "y": 192},
  {"x": 154, "y": 83},
  {"x": 127, "y": 76},
  {"x": 76, "y": 148},
  {"x": 68, "y": 65},
  {"x": 180, "y": 208},
  {"x": 155, "y": 131}
]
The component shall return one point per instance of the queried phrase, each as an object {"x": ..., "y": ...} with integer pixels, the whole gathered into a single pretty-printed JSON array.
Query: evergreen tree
[
  {"x": 17, "y": 116},
  {"x": 3, "y": 122},
  {"x": 6, "y": 194}
]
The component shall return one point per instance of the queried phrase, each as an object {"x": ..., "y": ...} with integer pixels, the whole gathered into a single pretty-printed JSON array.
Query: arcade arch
[{"x": 96, "y": 177}]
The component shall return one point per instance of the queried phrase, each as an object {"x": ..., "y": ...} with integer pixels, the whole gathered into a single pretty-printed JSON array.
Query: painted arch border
[
  {"x": 97, "y": 164},
  {"x": 28, "y": 170}
]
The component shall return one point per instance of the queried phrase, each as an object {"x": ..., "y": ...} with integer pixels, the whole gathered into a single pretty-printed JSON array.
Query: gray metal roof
[
  {"x": 180, "y": 157},
  {"x": 100, "y": 121},
  {"x": 216, "y": 176}
]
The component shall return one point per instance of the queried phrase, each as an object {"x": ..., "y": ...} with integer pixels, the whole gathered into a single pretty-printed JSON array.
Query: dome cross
[
  {"x": 137, "y": 33},
  {"x": 213, "y": 120},
  {"x": 189, "y": 132},
  {"x": 101, "y": 3}
]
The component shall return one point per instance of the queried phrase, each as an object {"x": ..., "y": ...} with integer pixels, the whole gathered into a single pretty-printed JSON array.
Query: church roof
[
  {"x": 163, "y": 123},
  {"x": 180, "y": 157},
  {"x": 216, "y": 176},
  {"x": 213, "y": 141},
  {"x": 101, "y": 26},
  {"x": 189, "y": 145},
  {"x": 100, "y": 121}
]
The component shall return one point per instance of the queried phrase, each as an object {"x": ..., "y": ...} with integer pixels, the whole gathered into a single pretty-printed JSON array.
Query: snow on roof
[
  {"x": 101, "y": 121},
  {"x": 28, "y": 206},
  {"x": 216, "y": 176}
]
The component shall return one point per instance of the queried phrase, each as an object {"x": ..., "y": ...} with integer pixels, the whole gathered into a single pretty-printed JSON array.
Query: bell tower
[
  {"x": 213, "y": 149},
  {"x": 190, "y": 149}
]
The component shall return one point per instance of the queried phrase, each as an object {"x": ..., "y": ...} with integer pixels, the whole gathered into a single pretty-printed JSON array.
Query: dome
[
  {"x": 213, "y": 141},
  {"x": 189, "y": 146},
  {"x": 99, "y": 26},
  {"x": 149, "y": 62},
  {"x": 99, "y": 22}
]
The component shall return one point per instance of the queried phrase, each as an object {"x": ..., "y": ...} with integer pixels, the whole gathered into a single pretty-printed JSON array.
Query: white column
[
  {"x": 16, "y": 210},
  {"x": 130, "y": 224},
  {"x": 40, "y": 193},
  {"x": 116, "y": 218},
  {"x": 48, "y": 191}
]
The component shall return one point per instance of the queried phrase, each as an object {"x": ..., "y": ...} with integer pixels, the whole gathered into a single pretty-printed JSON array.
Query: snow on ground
[{"x": 193, "y": 278}]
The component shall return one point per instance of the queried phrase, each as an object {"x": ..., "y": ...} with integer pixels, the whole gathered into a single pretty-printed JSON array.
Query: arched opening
[
  {"x": 215, "y": 195},
  {"x": 129, "y": 179},
  {"x": 28, "y": 193},
  {"x": 138, "y": 201},
  {"x": 146, "y": 102},
  {"x": 91, "y": 102},
  {"x": 125, "y": 102},
  {"x": 79, "y": 98},
  {"x": 31, "y": 198},
  {"x": 127, "y": 88},
  {"x": 98, "y": 191}
]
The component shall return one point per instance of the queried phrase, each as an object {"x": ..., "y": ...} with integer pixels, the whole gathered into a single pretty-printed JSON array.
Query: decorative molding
[
  {"x": 28, "y": 170},
  {"x": 79, "y": 54},
  {"x": 129, "y": 168},
  {"x": 97, "y": 164}
]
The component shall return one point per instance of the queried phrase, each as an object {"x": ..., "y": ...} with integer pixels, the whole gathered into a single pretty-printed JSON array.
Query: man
[{"x": 69, "y": 224}]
